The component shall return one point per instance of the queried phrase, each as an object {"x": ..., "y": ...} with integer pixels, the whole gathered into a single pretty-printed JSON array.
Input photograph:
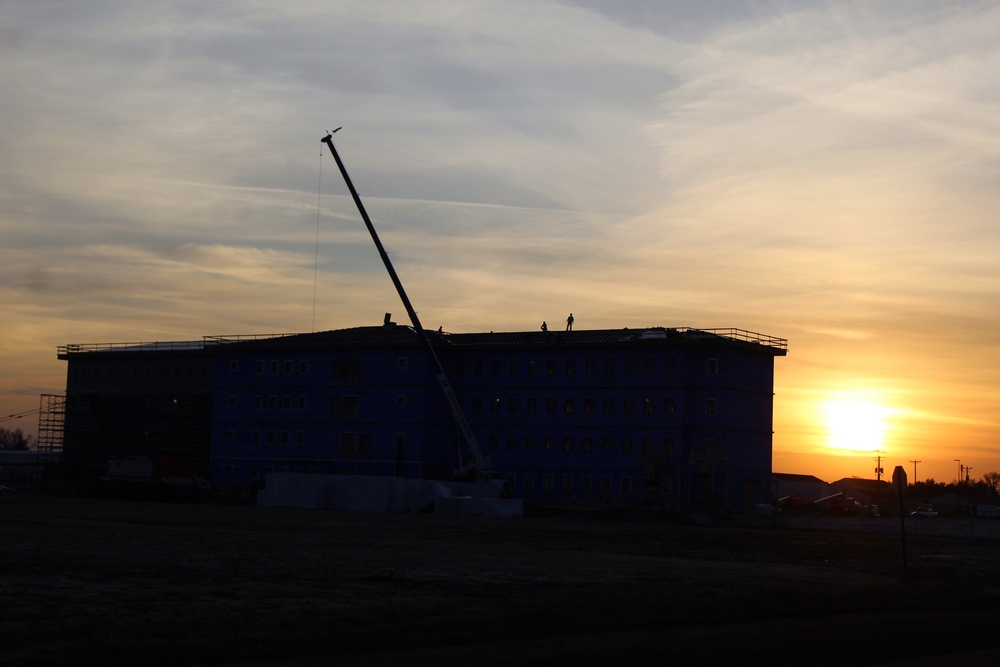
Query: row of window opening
[
  {"x": 603, "y": 483},
  {"x": 275, "y": 366},
  {"x": 569, "y": 405},
  {"x": 570, "y": 366},
  {"x": 351, "y": 444},
  {"x": 349, "y": 370},
  {"x": 147, "y": 372},
  {"x": 349, "y": 406},
  {"x": 549, "y": 443},
  {"x": 354, "y": 443},
  {"x": 271, "y": 402}
]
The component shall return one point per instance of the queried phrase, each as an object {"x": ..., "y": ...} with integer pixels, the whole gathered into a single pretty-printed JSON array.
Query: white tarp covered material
[
  {"x": 419, "y": 493},
  {"x": 293, "y": 490},
  {"x": 380, "y": 494},
  {"x": 476, "y": 489},
  {"x": 366, "y": 494}
]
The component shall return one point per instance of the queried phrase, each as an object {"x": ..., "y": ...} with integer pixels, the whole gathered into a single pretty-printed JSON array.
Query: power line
[{"x": 20, "y": 415}]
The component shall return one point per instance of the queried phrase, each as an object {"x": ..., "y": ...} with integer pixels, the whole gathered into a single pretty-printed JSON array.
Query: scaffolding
[{"x": 51, "y": 423}]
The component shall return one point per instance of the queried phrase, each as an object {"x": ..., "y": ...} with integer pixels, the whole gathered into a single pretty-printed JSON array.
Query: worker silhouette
[
  {"x": 569, "y": 322},
  {"x": 545, "y": 327}
]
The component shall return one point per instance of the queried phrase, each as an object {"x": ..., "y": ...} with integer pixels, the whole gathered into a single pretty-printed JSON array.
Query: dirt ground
[{"x": 87, "y": 581}]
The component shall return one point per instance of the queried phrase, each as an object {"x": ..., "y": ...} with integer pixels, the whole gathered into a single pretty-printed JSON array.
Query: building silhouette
[{"x": 666, "y": 417}]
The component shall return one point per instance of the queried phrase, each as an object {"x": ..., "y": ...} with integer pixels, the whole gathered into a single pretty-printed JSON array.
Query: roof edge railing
[
  {"x": 731, "y": 333},
  {"x": 154, "y": 346},
  {"x": 746, "y": 336},
  {"x": 132, "y": 346}
]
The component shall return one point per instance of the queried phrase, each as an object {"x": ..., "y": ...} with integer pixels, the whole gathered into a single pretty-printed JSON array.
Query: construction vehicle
[
  {"x": 840, "y": 504},
  {"x": 478, "y": 467}
]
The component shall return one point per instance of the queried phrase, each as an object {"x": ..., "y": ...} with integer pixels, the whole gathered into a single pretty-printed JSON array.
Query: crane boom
[{"x": 480, "y": 462}]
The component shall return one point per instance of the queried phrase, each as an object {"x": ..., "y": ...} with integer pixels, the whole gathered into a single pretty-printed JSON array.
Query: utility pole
[
  {"x": 968, "y": 469},
  {"x": 878, "y": 477},
  {"x": 915, "y": 470},
  {"x": 959, "y": 462}
]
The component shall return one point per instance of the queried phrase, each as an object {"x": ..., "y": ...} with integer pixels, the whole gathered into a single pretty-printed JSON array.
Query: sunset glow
[{"x": 854, "y": 422}]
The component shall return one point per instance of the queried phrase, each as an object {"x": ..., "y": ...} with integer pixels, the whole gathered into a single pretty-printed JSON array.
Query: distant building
[
  {"x": 963, "y": 501},
  {"x": 671, "y": 418},
  {"x": 20, "y": 469},
  {"x": 866, "y": 491},
  {"x": 810, "y": 488}
]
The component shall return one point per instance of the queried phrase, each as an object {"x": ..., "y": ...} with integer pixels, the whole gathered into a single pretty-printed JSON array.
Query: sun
[{"x": 854, "y": 421}]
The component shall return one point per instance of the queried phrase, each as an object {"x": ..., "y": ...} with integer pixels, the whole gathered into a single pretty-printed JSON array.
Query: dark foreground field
[{"x": 122, "y": 583}]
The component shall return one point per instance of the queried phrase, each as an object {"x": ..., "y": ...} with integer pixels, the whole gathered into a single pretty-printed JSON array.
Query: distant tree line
[
  {"x": 987, "y": 485},
  {"x": 15, "y": 439}
]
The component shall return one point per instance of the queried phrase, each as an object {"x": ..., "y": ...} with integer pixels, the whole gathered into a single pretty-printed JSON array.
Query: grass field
[{"x": 99, "y": 582}]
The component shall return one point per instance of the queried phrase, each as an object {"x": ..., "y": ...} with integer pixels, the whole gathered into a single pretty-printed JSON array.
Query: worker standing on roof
[
  {"x": 545, "y": 327},
  {"x": 569, "y": 322}
]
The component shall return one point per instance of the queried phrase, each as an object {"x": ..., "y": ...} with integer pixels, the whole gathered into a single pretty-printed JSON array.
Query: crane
[{"x": 478, "y": 468}]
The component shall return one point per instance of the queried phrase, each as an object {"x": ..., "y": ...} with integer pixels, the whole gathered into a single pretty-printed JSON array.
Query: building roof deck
[{"x": 397, "y": 334}]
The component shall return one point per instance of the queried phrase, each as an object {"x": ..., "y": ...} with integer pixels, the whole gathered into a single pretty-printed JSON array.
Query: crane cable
[{"x": 319, "y": 192}]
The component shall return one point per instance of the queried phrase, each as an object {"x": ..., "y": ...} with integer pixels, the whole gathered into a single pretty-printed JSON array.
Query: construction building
[{"x": 666, "y": 417}]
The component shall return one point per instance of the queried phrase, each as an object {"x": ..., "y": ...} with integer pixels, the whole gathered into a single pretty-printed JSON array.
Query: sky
[{"x": 820, "y": 171}]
